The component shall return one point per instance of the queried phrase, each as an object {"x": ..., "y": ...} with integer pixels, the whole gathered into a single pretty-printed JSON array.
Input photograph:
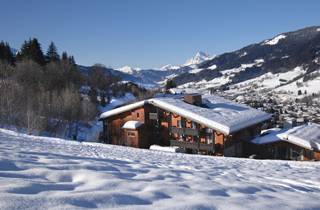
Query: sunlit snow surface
[
  {"x": 47, "y": 173},
  {"x": 275, "y": 40}
]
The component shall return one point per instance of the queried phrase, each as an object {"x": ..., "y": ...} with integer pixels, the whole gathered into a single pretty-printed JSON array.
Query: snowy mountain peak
[
  {"x": 128, "y": 69},
  {"x": 198, "y": 58}
]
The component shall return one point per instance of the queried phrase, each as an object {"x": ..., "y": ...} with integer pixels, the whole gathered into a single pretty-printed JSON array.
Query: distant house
[
  {"x": 298, "y": 143},
  {"x": 199, "y": 124}
]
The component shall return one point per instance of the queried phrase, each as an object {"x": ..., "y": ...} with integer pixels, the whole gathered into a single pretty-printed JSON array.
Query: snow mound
[
  {"x": 47, "y": 173},
  {"x": 164, "y": 149},
  {"x": 275, "y": 40}
]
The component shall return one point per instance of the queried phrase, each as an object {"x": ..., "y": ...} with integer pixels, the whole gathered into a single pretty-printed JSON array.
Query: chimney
[{"x": 194, "y": 99}]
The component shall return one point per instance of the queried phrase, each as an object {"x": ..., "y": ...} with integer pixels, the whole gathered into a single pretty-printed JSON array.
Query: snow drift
[{"x": 48, "y": 173}]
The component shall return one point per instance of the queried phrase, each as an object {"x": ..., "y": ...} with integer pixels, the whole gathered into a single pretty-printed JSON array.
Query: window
[
  {"x": 131, "y": 134},
  {"x": 194, "y": 125},
  {"x": 209, "y": 138},
  {"x": 138, "y": 114},
  {"x": 296, "y": 154},
  {"x": 209, "y": 130},
  {"x": 183, "y": 123},
  {"x": 309, "y": 154},
  {"x": 209, "y": 135},
  {"x": 179, "y": 124},
  {"x": 196, "y": 139}
]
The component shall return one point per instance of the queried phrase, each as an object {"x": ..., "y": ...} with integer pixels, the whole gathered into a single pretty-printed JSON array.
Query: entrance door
[{"x": 131, "y": 138}]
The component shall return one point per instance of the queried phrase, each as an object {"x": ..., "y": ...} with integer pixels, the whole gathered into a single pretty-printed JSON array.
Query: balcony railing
[
  {"x": 190, "y": 145},
  {"x": 185, "y": 131}
]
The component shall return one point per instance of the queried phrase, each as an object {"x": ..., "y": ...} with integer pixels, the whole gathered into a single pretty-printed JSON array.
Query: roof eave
[{"x": 264, "y": 119}]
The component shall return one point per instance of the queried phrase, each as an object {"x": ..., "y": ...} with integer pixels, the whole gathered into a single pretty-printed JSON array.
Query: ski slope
[{"x": 48, "y": 173}]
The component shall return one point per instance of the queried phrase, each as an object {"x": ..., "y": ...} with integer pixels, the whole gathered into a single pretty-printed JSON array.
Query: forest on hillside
[{"x": 46, "y": 92}]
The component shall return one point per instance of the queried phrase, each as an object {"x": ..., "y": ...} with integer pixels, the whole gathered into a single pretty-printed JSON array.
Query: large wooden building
[{"x": 199, "y": 124}]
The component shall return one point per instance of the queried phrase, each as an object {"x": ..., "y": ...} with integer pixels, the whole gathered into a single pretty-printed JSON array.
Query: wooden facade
[
  {"x": 169, "y": 129},
  {"x": 286, "y": 151}
]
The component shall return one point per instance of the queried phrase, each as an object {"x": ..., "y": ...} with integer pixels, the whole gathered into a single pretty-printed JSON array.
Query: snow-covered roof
[
  {"x": 165, "y": 149},
  {"x": 217, "y": 113},
  {"x": 121, "y": 109},
  {"x": 132, "y": 124},
  {"x": 306, "y": 136},
  {"x": 268, "y": 136}
]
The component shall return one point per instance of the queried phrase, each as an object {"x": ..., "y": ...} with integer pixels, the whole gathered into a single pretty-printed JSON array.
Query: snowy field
[{"x": 47, "y": 173}]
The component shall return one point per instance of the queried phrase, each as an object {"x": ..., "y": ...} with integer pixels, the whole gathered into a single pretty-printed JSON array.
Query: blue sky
[{"x": 150, "y": 33}]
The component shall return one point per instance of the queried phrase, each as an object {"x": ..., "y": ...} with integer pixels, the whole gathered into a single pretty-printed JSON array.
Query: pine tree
[
  {"x": 52, "y": 54},
  {"x": 68, "y": 59},
  {"x": 6, "y": 54},
  {"x": 103, "y": 101},
  {"x": 170, "y": 84},
  {"x": 64, "y": 56},
  {"x": 31, "y": 50},
  {"x": 93, "y": 94},
  {"x": 71, "y": 60}
]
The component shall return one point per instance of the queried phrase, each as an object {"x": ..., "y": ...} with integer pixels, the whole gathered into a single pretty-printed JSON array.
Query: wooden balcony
[
  {"x": 189, "y": 145},
  {"x": 185, "y": 131}
]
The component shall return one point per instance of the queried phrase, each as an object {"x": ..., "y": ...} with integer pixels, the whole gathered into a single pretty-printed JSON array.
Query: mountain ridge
[{"x": 279, "y": 54}]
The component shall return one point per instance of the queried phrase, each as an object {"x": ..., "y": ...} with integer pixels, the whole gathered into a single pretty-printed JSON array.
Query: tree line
[{"x": 42, "y": 91}]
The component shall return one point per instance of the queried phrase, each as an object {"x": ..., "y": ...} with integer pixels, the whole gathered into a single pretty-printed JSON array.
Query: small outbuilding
[
  {"x": 298, "y": 143},
  {"x": 132, "y": 133}
]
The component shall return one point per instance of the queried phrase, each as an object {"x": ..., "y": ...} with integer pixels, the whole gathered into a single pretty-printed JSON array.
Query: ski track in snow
[{"x": 49, "y": 173}]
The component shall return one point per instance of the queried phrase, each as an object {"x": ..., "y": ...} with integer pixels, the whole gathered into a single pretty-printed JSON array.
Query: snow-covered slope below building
[{"x": 48, "y": 173}]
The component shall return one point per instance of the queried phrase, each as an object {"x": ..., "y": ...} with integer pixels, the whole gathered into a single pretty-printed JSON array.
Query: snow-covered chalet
[
  {"x": 298, "y": 143},
  {"x": 205, "y": 124}
]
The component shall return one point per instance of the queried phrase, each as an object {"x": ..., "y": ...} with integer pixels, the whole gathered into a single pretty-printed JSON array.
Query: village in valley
[{"x": 287, "y": 111}]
